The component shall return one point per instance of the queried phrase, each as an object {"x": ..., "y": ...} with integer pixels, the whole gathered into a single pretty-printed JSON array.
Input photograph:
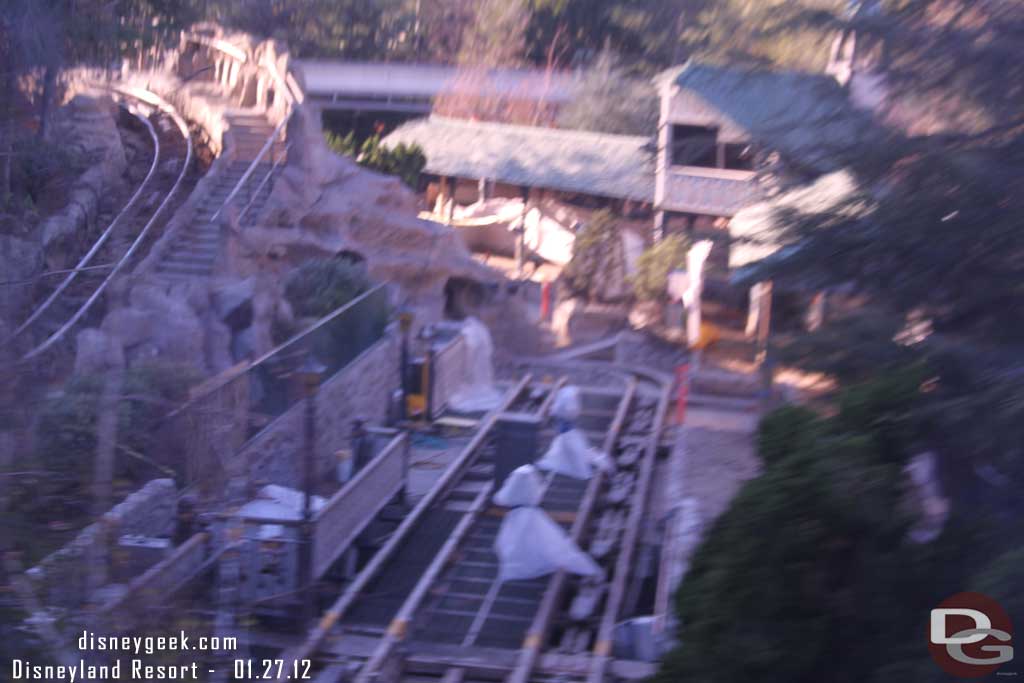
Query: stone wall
[
  {"x": 362, "y": 389},
  {"x": 89, "y": 126},
  {"x": 61, "y": 578}
]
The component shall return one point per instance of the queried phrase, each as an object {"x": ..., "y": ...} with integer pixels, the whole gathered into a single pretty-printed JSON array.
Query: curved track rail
[
  {"x": 425, "y": 610},
  {"x": 169, "y": 131}
]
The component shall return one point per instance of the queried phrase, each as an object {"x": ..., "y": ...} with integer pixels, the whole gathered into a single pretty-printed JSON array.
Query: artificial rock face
[{"x": 324, "y": 204}]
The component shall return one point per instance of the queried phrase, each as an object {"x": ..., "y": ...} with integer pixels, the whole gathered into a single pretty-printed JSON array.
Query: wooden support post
[
  {"x": 545, "y": 300},
  {"x": 521, "y": 237},
  {"x": 764, "y": 320},
  {"x": 815, "y": 317},
  {"x": 442, "y": 196},
  {"x": 660, "y": 220},
  {"x": 450, "y": 213}
]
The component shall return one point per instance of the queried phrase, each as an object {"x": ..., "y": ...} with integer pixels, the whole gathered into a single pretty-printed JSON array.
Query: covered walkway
[{"x": 411, "y": 88}]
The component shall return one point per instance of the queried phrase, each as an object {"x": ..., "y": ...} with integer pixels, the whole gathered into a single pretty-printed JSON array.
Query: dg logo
[{"x": 969, "y": 635}]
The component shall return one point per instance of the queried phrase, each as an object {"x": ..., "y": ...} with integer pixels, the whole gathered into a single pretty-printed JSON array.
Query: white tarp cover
[
  {"x": 571, "y": 455},
  {"x": 567, "y": 405},
  {"x": 549, "y": 227},
  {"x": 278, "y": 502},
  {"x": 695, "y": 259},
  {"x": 529, "y": 542},
  {"x": 549, "y": 238},
  {"x": 478, "y": 393}
]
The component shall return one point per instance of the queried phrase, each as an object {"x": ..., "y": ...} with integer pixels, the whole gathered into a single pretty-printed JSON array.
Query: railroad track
[
  {"x": 430, "y": 610},
  {"x": 78, "y": 297}
]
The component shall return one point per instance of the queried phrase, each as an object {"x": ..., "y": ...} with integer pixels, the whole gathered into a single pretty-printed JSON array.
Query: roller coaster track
[
  {"x": 428, "y": 606},
  {"x": 83, "y": 286}
]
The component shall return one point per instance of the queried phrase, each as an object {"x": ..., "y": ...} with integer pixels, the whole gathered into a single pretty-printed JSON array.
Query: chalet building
[
  {"x": 467, "y": 159},
  {"x": 729, "y": 139},
  {"x": 555, "y": 177}
]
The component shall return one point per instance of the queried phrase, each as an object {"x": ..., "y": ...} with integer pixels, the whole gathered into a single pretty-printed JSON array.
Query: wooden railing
[
  {"x": 449, "y": 368},
  {"x": 160, "y": 581},
  {"x": 350, "y": 510}
]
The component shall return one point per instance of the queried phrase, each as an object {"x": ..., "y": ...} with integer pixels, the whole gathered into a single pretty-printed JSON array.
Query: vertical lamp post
[
  {"x": 405, "y": 318},
  {"x": 309, "y": 375}
]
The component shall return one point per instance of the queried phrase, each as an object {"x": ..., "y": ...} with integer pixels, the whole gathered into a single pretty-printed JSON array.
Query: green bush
[
  {"x": 807, "y": 575},
  {"x": 783, "y": 431},
  {"x": 768, "y": 591},
  {"x": 345, "y": 145},
  {"x": 320, "y": 286},
  {"x": 66, "y": 435},
  {"x": 654, "y": 265},
  {"x": 404, "y": 161},
  {"x": 882, "y": 408},
  {"x": 1002, "y": 580},
  {"x": 596, "y": 251}
]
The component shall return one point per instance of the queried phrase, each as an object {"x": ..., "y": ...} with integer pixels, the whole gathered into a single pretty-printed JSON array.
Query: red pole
[
  {"x": 683, "y": 391},
  {"x": 545, "y": 299}
]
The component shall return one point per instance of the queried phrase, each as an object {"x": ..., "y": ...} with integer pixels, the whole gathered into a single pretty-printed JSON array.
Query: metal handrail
[
  {"x": 236, "y": 372},
  {"x": 399, "y": 625},
  {"x": 156, "y": 101},
  {"x": 292, "y": 98},
  {"x": 283, "y": 87},
  {"x": 384, "y": 554},
  {"x": 259, "y": 188},
  {"x": 252, "y": 167}
]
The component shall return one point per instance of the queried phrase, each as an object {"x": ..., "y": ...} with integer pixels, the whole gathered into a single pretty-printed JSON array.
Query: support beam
[
  {"x": 660, "y": 221},
  {"x": 521, "y": 232}
]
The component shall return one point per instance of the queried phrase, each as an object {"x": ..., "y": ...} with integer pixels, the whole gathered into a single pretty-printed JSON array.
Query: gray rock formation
[
  {"x": 97, "y": 352},
  {"x": 88, "y": 124},
  {"x": 179, "y": 323},
  {"x": 20, "y": 260},
  {"x": 324, "y": 204}
]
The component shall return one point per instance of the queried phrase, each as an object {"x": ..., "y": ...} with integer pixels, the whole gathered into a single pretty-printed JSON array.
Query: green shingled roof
[
  {"x": 615, "y": 166},
  {"x": 804, "y": 116}
]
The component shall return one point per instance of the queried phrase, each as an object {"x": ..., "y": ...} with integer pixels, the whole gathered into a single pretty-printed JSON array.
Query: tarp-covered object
[
  {"x": 571, "y": 455},
  {"x": 478, "y": 394},
  {"x": 548, "y": 228},
  {"x": 278, "y": 502},
  {"x": 529, "y": 543},
  {"x": 567, "y": 405}
]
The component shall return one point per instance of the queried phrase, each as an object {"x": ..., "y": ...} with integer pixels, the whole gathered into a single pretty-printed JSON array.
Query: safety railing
[
  {"x": 223, "y": 413},
  {"x": 384, "y": 555},
  {"x": 284, "y": 86},
  {"x": 449, "y": 367},
  {"x": 350, "y": 510},
  {"x": 161, "y": 580}
]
